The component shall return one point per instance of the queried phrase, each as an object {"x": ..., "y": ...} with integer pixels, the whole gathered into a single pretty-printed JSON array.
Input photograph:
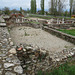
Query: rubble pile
[
  {"x": 28, "y": 59},
  {"x": 33, "y": 59},
  {"x": 8, "y": 61}
]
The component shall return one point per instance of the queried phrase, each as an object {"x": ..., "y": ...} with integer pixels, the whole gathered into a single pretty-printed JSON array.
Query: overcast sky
[{"x": 22, "y": 3}]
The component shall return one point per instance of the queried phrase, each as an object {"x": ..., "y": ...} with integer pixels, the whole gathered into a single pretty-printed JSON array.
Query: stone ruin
[
  {"x": 27, "y": 59},
  {"x": 33, "y": 59}
]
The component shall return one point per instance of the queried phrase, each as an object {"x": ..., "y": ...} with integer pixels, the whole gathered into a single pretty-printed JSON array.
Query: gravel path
[{"x": 38, "y": 37}]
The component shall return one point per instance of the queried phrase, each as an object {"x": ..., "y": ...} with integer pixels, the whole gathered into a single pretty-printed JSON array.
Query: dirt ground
[{"x": 38, "y": 37}]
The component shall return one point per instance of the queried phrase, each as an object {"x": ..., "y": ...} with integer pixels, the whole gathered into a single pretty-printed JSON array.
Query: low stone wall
[
  {"x": 62, "y": 35},
  {"x": 26, "y": 24},
  {"x": 9, "y": 63},
  {"x": 61, "y": 26},
  {"x": 34, "y": 59},
  {"x": 29, "y": 63},
  {"x": 2, "y": 24}
]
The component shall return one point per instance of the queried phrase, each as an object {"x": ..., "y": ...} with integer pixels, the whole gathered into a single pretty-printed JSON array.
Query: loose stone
[
  {"x": 12, "y": 51},
  {"x": 9, "y": 73},
  {"x": 7, "y": 65},
  {"x": 18, "y": 69}
]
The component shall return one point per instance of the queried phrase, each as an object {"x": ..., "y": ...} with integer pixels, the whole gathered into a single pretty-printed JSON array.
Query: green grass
[
  {"x": 35, "y": 22},
  {"x": 8, "y": 30},
  {"x": 66, "y": 69},
  {"x": 26, "y": 34},
  {"x": 48, "y": 16},
  {"x": 71, "y": 32}
]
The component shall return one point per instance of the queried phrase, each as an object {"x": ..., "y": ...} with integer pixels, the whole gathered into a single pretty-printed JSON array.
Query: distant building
[
  {"x": 15, "y": 18},
  {"x": 73, "y": 16}
]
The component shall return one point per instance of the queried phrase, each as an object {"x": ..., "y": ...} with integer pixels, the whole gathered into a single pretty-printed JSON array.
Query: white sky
[{"x": 22, "y": 3}]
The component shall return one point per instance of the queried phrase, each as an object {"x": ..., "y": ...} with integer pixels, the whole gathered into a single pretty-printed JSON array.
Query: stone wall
[
  {"x": 26, "y": 24},
  {"x": 29, "y": 62},
  {"x": 61, "y": 26},
  {"x": 62, "y": 35},
  {"x": 63, "y": 21},
  {"x": 34, "y": 59},
  {"x": 9, "y": 63}
]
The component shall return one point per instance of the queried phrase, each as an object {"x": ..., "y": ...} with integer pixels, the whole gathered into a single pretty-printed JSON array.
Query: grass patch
[
  {"x": 71, "y": 32},
  {"x": 48, "y": 16},
  {"x": 66, "y": 46},
  {"x": 26, "y": 34},
  {"x": 20, "y": 28},
  {"x": 8, "y": 30},
  {"x": 35, "y": 22},
  {"x": 65, "y": 69}
]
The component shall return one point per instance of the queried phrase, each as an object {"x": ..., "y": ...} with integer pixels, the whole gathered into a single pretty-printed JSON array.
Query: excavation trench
[{"x": 38, "y": 37}]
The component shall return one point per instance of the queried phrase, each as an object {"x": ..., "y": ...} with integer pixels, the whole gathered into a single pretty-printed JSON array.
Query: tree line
[
  {"x": 7, "y": 11},
  {"x": 56, "y": 7},
  {"x": 34, "y": 7}
]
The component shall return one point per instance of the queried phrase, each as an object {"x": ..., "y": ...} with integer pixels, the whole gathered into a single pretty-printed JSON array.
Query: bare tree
[
  {"x": 53, "y": 6},
  {"x": 57, "y": 6},
  {"x": 61, "y": 5}
]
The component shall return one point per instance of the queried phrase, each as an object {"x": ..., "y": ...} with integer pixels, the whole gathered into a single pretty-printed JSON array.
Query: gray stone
[
  {"x": 0, "y": 65},
  {"x": 34, "y": 61},
  {"x": 4, "y": 52},
  {"x": 24, "y": 50},
  {"x": 43, "y": 51},
  {"x": 24, "y": 66},
  {"x": 10, "y": 55},
  {"x": 3, "y": 46},
  {"x": 28, "y": 62},
  {"x": 7, "y": 65},
  {"x": 74, "y": 48},
  {"x": 0, "y": 72},
  {"x": 2, "y": 55},
  {"x": 11, "y": 43},
  {"x": 28, "y": 48},
  {"x": 9, "y": 39},
  {"x": 33, "y": 73},
  {"x": 0, "y": 44},
  {"x": 5, "y": 49},
  {"x": 8, "y": 47},
  {"x": 4, "y": 60},
  {"x": 9, "y": 69},
  {"x": 18, "y": 69},
  {"x": 12, "y": 51},
  {"x": 9, "y": 73},
  {"x": 2, "y": 49},
  {"x": 57, "y": 59},
  {"x": 7, "y": 59},
  {"x": 5, "y": 40},
  {"x": 24, "y": 74},
  {"x": 16, "y": 61},
  {"x": 29, "y": 68}
]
